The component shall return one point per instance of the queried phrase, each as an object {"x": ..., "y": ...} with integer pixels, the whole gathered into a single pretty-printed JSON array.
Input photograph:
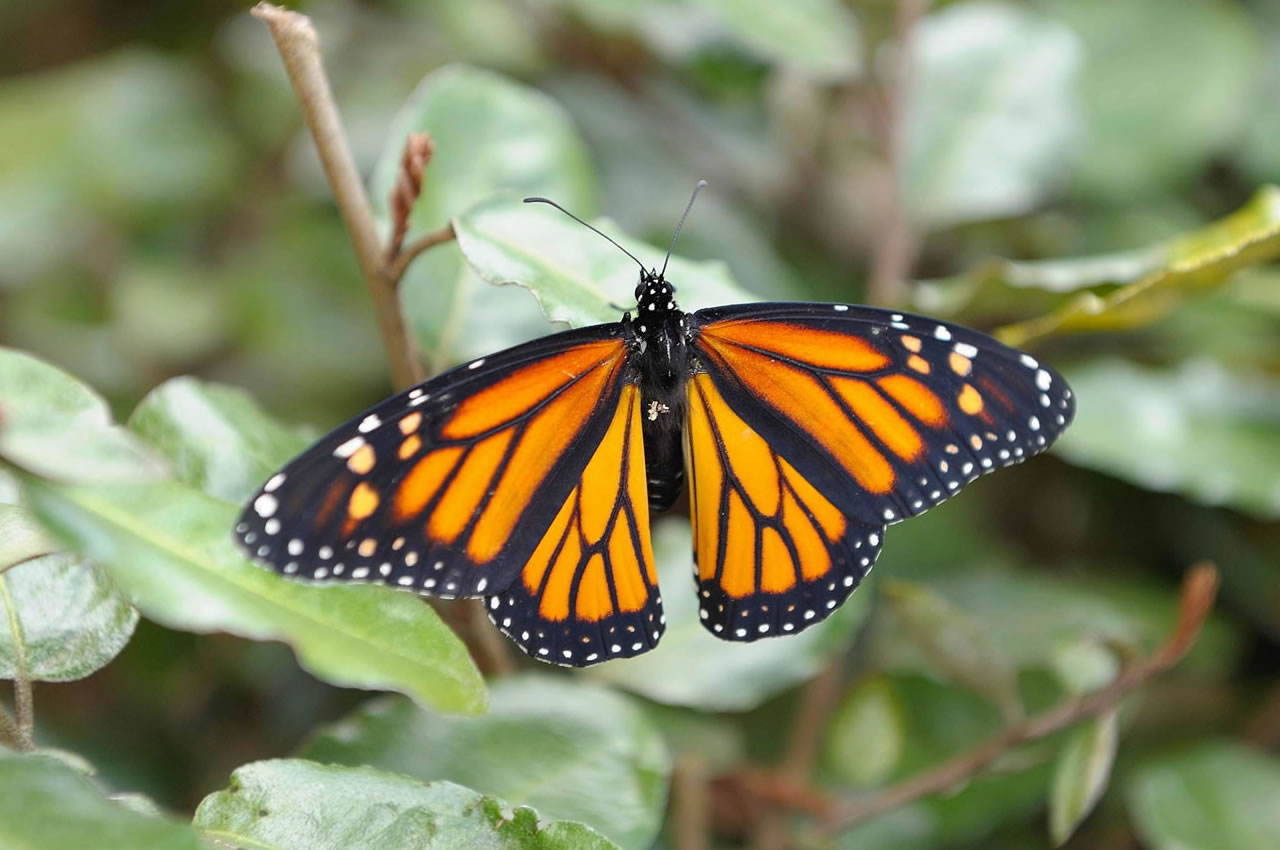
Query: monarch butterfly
[{"x": 527, "y": 477}]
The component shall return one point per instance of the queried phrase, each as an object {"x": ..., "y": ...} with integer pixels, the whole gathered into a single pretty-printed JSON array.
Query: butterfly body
[{"x": 528, "y": 477}]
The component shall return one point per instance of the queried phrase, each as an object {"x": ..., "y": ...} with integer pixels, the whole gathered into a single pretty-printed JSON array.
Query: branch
[
  {"x": 398, "y": 263},
  {"x": 296, "y": 40},
  {"x": 1198, "y": 592},
  {"x": 23, "y": 731},
  {"x": 895, "y": 250}
]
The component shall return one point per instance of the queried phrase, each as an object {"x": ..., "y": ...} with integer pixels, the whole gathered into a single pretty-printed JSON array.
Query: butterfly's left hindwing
[
  {"x": 589, "y": 592},
  {"x": 446, "y": 488}
]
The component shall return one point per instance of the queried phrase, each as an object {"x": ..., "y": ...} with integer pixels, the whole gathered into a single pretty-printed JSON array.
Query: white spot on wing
[
  {"x": 348, "y": 448},
  {"x": 265, "y": 505},
  {"x": 369, "y": 423}
]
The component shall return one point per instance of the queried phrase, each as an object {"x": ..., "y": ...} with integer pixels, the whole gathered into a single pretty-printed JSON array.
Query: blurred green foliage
[{"x": 173, "y": 260}]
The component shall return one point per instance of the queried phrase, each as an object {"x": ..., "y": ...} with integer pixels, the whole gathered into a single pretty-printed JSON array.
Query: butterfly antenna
[
  {"x": 538, "y": 200},
  {"x": 696, "y": 189}
]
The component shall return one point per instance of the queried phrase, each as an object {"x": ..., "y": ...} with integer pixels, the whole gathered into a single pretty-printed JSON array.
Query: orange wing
[
  {"x": 589, "y": 592},
  {"x": 812, "y": 426},
  {"x": 773, "y": 554},
  {"x": 887, "y": 414},
  {"x": 449, "y": 487}
]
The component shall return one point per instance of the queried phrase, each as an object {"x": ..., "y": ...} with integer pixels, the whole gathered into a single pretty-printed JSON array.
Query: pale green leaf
[
  {"x": 169, "y": 548},
  {"x": 20, "y": 536},
  {"x": 579, "y": 278},
  {"x": 1219, "y": 796},
  {"x": 1081, "y": 774},
  {"x": 867, "y": 734},
  {"x": 72, "y": 620},
  {"x": 819, "y": 38},
  {"x": 47, "y": 805},
  {"x": 956, "y": 644},
  {"x": 1164, "y": 87},
  {"x": 571, "y": 750},
  {"x": 1197, "y": 430},
  {"x": 1156, "y": 278},
  {"x": 992, "y": 117},
  {"x": 301, "y": 805},
  {"x": 55, "y": 426},
  {"x": 490, "y": 134},
  {"x": 215, "y": 437}
]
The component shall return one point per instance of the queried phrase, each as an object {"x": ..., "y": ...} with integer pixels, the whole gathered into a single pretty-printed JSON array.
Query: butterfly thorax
[{"x": 658, "y": 339}]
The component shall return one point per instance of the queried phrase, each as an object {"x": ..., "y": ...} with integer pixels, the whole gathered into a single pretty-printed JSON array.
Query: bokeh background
[{"x": 162, "y": 213}]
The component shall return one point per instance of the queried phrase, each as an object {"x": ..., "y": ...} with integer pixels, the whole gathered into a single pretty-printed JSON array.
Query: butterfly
[{"x": 529, "y": 477}]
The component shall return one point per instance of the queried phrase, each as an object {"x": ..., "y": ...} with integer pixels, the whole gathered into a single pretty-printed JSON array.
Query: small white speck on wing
[
  {"x": 273, "y": 482},
  {"x": 369, "y": 423},
  {"x": 964, "y": 349},
  {"x": 942, "y": 333},
  {"x": 841, "y": 308},
  {"x": 1029, "y": 361},
  {"x": 476, "y": 364}
]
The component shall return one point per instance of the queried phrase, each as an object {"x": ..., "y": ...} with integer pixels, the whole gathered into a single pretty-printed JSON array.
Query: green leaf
[
  {"x": 1199, "y": 430},
  {"x": 571, "y": 750},
  {"x": 130, "y": 134},
  {"x": 288, "y": 804},
  {"x": 577, "y": 277},
  {"x": 491, "y": 134},
  {"x": 21, "y": 537},
  {"x": 867, "y": 734},
  {"x": 818, "y": 38},
  {"x": 1159, "y": 102},
  {"x": 956, "y": 644},
  {"x": 73, "y": 621},
  {"x": 1031, "y": 615},
  {"x": 169, "y": 548},
  {"x": 692, "y": 667},
  {"x": 47, "y": 805},
  {"x": 1218, "y": 796},
  {"x": 940, "y": 721},
  {"x": 1081, "y": 774},
  {"x": 215, "y": 437},
  {"x": 55, "y": 426},
  {"x": 992, "y": 116},
  {"x": 1157, "y": 278}
]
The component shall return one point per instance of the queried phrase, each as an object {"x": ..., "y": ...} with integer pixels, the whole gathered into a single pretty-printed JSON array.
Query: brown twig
[
  {"x": 817, "y": 701},
  {"x": 296, "y": 40},
  {"x": 398, "y": 263},
  {"x": 895, "y": 249},
  {"x": 1199, "y": 589},
  {"x": 1198, "y": 592},
  {"x": 418, "y": 149},
  {"x": 690, "y": 804}
]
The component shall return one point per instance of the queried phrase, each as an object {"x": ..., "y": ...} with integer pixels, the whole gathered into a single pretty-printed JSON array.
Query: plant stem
[
  {"x": 1198, "y": 592},
  {"x": 296, "y": 40},
  {"x": 23, "y": 701},
  {"x": 895, "y": 249}
]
